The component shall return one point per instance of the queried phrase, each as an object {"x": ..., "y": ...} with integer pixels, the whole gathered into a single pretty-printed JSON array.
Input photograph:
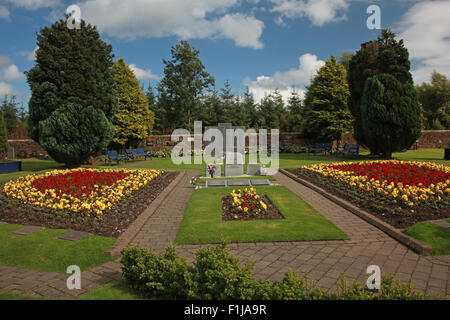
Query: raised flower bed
[
  {"x": 100, "y": 201},
  {"x": 399, "y": 192},
  {"x": 247, "y": 204}
]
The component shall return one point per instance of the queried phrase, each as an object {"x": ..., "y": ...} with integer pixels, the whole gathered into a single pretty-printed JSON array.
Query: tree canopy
[
  {"x": 325, "y": 116},
  {"x": 133, "y": 120},
  {"x": 72, "y": 83}
]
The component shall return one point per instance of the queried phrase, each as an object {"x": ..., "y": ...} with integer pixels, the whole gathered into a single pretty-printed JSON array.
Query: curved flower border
[{"x": 99, "y": 201}]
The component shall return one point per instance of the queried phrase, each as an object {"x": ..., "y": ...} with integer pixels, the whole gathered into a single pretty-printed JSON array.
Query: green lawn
[
  {"x": 203, "y": 223},
  {"x": 287, "y": 160},
  {"x": 44, "y": 252},
  {"x": 111, "y": 291},
  {"x": 438, "y": 238}
]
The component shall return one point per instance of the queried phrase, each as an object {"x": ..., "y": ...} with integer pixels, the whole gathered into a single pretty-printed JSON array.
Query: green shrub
[
  {"x": 217, "y": 275},
  {"x": 162, "y": 153},
  {"x": 163, "y": 276}
]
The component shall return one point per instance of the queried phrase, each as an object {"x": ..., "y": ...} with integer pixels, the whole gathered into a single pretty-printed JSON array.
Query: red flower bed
[
  {"x": 405, "y": 173},
  {"x": 78, "y": 183}
]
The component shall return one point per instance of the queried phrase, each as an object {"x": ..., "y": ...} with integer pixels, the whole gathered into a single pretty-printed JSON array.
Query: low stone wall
[
  {"x": 430, "y": 139},
  {"x": 434, "y": 139},
  {"x": 26, "y": 148}
]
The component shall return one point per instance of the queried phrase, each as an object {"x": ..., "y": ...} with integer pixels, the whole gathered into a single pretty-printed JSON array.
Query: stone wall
[
  {"x": 434, "y": 139},
  {"x": 430, "y": 139},
  {"x": 26, "y": 148}
]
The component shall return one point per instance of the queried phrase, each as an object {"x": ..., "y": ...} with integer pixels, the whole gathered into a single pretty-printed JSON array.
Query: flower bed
[
  {"x": 248, "y": 205},
  {"x": 99, "y": 201},
  {"x": 401, "y": 192},
  {"x": 80, "y": 191}
]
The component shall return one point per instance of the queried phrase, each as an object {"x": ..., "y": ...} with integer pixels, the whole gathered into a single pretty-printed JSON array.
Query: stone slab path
[{"x": 323, "y": 261}]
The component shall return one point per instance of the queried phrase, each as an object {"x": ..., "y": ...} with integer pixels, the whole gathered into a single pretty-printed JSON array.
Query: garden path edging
[
  {"x": 408, "y": 241},
  {"x": 130, "y": 233}
]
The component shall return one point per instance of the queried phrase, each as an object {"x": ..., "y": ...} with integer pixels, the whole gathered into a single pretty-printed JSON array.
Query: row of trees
[
  {"x": 82, "y": 101},
  {"x": 15, "y": 116}
]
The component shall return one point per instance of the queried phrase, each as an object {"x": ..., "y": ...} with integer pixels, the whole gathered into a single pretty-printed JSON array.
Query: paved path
[{"x": 323, "y": 261}]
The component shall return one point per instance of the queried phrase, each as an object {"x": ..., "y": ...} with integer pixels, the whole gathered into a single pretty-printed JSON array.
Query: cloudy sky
[{"x": 262, "y": 44}]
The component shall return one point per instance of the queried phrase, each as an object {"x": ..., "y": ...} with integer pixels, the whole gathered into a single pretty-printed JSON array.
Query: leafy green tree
[
  {"x": 295, "y": 110},
  {"x": 325, "y": 115},
  {"x": 133, "y": 120},
  {"x": 73, "y": 98},
  {"x": 3, "y": 137},
  {"x": 390, "y": 114},
  {"x": 182, "y": 85},
  {"x": 382, "y": 56},
  {"x": 435, "y": 100}
]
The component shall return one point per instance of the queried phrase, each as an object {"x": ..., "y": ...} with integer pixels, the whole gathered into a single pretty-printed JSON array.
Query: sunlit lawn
[
  {"x": 287, "y": 160},
  {"x": 202, "y": 222}
]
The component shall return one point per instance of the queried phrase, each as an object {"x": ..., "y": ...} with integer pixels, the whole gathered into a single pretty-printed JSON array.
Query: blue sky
[{"x": 263, "y": 44}]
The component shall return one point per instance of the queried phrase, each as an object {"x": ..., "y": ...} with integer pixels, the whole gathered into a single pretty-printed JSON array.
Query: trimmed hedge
[{"x": 217, "y": 275}]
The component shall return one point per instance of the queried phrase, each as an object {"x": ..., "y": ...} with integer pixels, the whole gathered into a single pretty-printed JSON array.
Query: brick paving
[{"x": 323, "y": 261}]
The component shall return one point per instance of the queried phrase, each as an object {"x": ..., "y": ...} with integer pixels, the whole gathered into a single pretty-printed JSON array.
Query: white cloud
[
  {"x": 285, "y": 81},
  {"x": 319, "y": 12},
  {"x": 142, "y": 74},
  {"x": 12, "y": 73},
  {"x": 4, "y": 13},
  {"x": 425, "y": 28},
  {"x": 31, "y": 56},
  {"x": 6, "y": 89},
  {"x": 245, "y": 31},
  {"x": 34, "y": 4},
  {"x": 4, "y": 61},
  {"x": 184, "y": 19}
]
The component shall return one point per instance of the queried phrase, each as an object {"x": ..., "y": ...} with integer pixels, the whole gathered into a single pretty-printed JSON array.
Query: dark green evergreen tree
[
  {"x": 325, "y": 116},
  {"x": 9, "y": 107},
  {"x": 252, "y": 114},
  {"x": 73, "y": 99},
  {"x": 382, "y": 56},
  {"x": 391, "y": 114},
  {"x": 158, "y": 111},
  {"x": 3, "y": 137},
  {"x": 295, "y": 110}
]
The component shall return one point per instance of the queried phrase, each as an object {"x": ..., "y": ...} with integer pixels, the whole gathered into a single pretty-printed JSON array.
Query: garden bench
[
  {"x": 321, "y": 147},
  {"x": 115, "y": 156},
  {"x": 140, "y": 152},
  {"x": 349, "y": 148}
]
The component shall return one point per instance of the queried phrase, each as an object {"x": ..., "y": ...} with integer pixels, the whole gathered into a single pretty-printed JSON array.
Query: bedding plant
[{"x": 400, "y": 192}]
